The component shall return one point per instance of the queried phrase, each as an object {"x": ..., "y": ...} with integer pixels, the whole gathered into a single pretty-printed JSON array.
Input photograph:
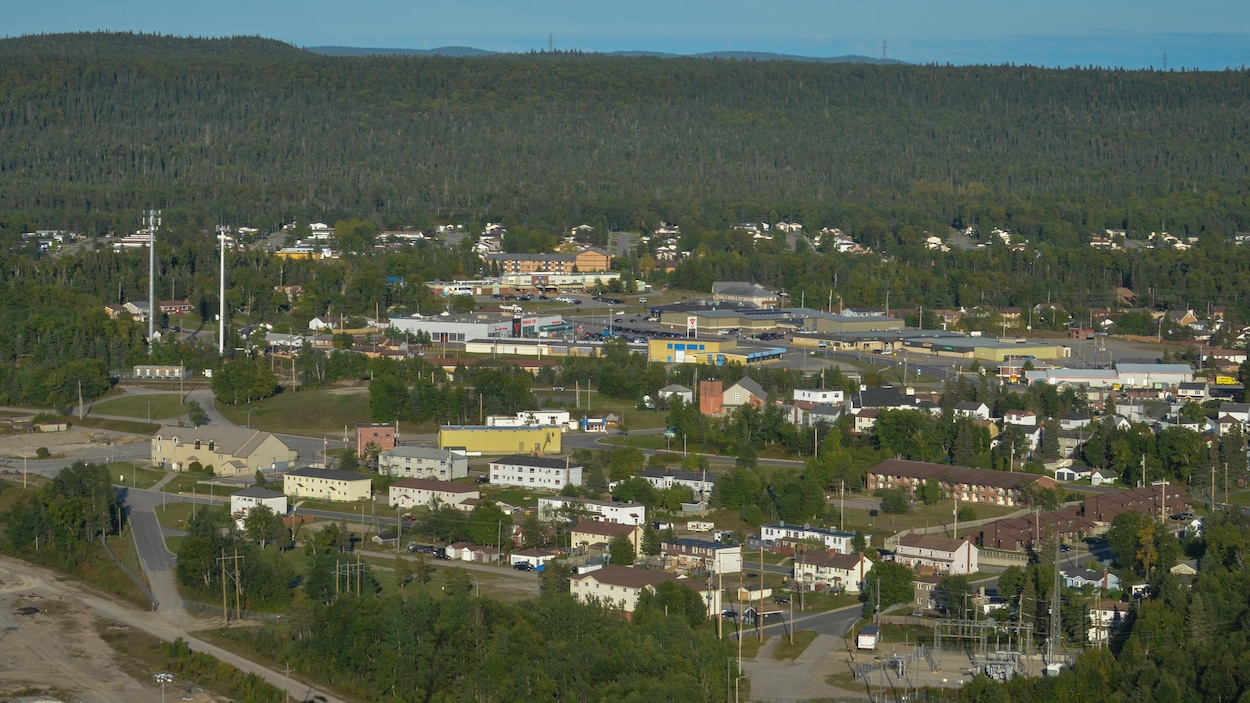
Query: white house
[
  {"x": 551, "y": 507},
  {"x": 972, "y": 409},
  {"x": 1071, "y": 473},
  {"x": 701, "y": 556},
  {"x": 1102, "y": 621},
  {"x": 423, "y": 462},
  {"x": 1101, "y": 476},
  {"x": 620, "y": 586},
  {"x": 318, "y": 324},
  {"x": 818, "y": 396},
  {"x": 327, "y": 484},
  {"x": 844, "y": 571},
  {"x": 672, "y": 391},
  {"x": 942, "y": 555},
  {"x": 253, "y": 496},
  {"x": 1025, "y": 418},
  {"x": 535, "y": 472},
  {"x": 413, "y": 492},
  {"x": 700, "y": 483},
  {"x": 835, "y": 540},
  {"x": 1079, "y": 578},
  {"x": 532, "y": 556}
]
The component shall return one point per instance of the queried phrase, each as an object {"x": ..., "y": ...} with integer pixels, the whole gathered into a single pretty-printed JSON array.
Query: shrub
[{"x": 43, "y": 453}]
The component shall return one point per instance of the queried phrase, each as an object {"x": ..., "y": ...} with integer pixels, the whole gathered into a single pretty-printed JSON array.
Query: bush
[
  {"x": 43, "y": 453},
  {"x": 967, "y": 514},
  {"x": 894, "y": 501}
]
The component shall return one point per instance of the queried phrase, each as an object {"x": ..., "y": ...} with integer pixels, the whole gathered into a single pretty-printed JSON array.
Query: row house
[
  {"x": 701, "y": 556},
  {"x": 965, "y": 484}
]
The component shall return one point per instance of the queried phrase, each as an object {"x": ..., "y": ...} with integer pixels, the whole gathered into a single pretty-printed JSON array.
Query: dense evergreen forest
[{"x": 94, "y": 128}]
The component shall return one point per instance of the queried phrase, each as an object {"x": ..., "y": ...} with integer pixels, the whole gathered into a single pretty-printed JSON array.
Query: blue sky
[{"x": 1205, "y": 34}]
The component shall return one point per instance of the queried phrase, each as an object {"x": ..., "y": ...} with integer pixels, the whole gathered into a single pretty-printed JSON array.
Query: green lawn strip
[
  {"x": 127, "y": 426},
  {"x": 147, "y": 407},
  {"x": 751, "y": 644},
  {"x": 786, "y": 650},
  {"x": 124, "y": 549},
  {"x": 132, "y": 476}
]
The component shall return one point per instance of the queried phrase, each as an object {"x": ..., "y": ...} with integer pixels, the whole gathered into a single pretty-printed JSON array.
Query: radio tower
[
  {"x": 551, "y": 43},
  {"x": 154, "y": 221},
  {"x": 884, "y": 55}
]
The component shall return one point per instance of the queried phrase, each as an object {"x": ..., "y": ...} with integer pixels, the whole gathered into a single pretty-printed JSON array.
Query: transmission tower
[
  {"x": 551, "y": 43},
  {"x": 154, "y": 221},
  {"x": 1056, "y": 623},
  {"x": 884, "y": 55}
]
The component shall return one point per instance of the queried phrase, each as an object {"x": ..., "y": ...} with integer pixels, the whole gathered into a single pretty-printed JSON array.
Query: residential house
[
  {"x": 795, "y": 535},
  {"x": 700, "y": 483},
  {"x": 414, "y": 492},
  {"x": 597, "y": 535},
  {"x": 552, "y": 473},
  {"x": 534, "y": 556},
  {"x": 175, "y": 307},
  {"x": 966, "y": 484},
  {"x": 1024, "y": 418},
  {"x": 924, "y": 591},
  {"x": 1074, "y": 577},
  {"x": 242, "y": 502},
  {"x": 327, "y": 484},
  {"x": 570, "y": 508},
  {"x": 318, "y": 324},
  {"x": 231, "y": 451},
  {"x": 423, "y": 462},
  {"x": 937, "y": 554},
  {"x": 620, "y": 587},
  {"x": 700, "y": 556},
  {"x": 673, "y": 390},
  {"x": 843, "y": 572},
  {"x": 972, "y": 409}
]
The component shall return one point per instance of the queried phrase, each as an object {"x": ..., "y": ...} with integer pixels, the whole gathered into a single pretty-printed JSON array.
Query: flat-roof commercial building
[
  {"x": 423, "y": 462},
  {"x": 482, "y": 439},
  {"x": 470, "y": 326},
  {"x": 716, "y": 351},
  {"x": 933, "y": 343},
  {"x": 552, "y": 473}
]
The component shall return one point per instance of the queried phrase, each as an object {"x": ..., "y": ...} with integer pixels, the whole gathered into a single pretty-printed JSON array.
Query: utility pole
[
  {"x": 154, "y": 221},
  {"x": 221, "y": 294}
]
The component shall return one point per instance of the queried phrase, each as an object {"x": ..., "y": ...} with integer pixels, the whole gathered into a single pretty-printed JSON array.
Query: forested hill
[
  {"x": 132, "y": 45},
  {"x": 87, "y": 139}
]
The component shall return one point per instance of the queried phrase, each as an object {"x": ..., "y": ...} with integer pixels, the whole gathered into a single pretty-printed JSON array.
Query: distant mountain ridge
[
  {"x": 140, "y": 45},
  {"x": 471, "y": 51}
]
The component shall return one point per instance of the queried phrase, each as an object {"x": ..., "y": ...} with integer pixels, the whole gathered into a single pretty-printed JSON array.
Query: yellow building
[
  {"x": 327, "y": 484},
  {"x": 716, "y": 351},
  {"x": 690, "y": 351},
  {"x": 231, "y": 451},
  {"x": 543, "y": 439}
]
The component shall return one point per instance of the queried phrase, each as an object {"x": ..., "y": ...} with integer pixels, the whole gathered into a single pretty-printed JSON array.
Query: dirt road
[{"x": 54, "y": 648}]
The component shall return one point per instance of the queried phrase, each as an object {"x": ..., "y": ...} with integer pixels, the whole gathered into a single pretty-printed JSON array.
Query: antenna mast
[
  {"x": 551, "y": 43},
  {"x": 884, "y": 54}
]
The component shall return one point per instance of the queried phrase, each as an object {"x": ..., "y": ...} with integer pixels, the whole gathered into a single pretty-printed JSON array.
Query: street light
[{"x": 162, "y": 679}]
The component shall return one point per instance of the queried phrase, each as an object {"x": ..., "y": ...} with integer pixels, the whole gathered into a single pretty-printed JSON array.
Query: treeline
[
  {"x": 57, "y": 524},
  {"x": 459, "y": 648},
  {"x": 92, "y": 136}
]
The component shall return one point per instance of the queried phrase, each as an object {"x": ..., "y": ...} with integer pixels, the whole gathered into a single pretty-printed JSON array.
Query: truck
[{"x": 700, "y": 526}]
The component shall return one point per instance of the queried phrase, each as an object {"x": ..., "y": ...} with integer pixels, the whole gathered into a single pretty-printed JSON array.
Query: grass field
[
  {"x": 147, "y": 407},
  {"x": 123, "y": 546},
  {"x": 785, "y": 650},
  {"x": 325, "y": 411},
  {"x": 134, "y": 477}
]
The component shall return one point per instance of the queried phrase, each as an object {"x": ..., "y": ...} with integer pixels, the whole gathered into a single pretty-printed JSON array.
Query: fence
[{"x": 142, "y": 586}]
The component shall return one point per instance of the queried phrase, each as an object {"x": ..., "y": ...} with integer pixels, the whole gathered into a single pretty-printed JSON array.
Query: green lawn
[
  {"x": 750, "y": 643},
  {"x": 921, "y": 515},
  {"x": 786, "y": 650},
  {"x": 147, "y": 407},
  {"x": 134, "y": 477},
  {"x": 175, "y": 515},
  {"x": 319, "y": 412}
]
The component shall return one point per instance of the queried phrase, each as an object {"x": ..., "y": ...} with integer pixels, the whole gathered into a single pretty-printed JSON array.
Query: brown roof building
[{"x": 966, "y": 484}]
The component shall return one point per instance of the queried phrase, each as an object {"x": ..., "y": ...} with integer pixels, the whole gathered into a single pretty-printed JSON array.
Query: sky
[{"x": 1201, "y": 34}]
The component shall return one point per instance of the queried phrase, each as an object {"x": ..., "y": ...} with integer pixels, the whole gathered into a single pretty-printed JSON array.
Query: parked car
[
  {"x": 523, "y": 566},
  {"x": 729, "y": 614},
  {"x": 781, "y": 599}
]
